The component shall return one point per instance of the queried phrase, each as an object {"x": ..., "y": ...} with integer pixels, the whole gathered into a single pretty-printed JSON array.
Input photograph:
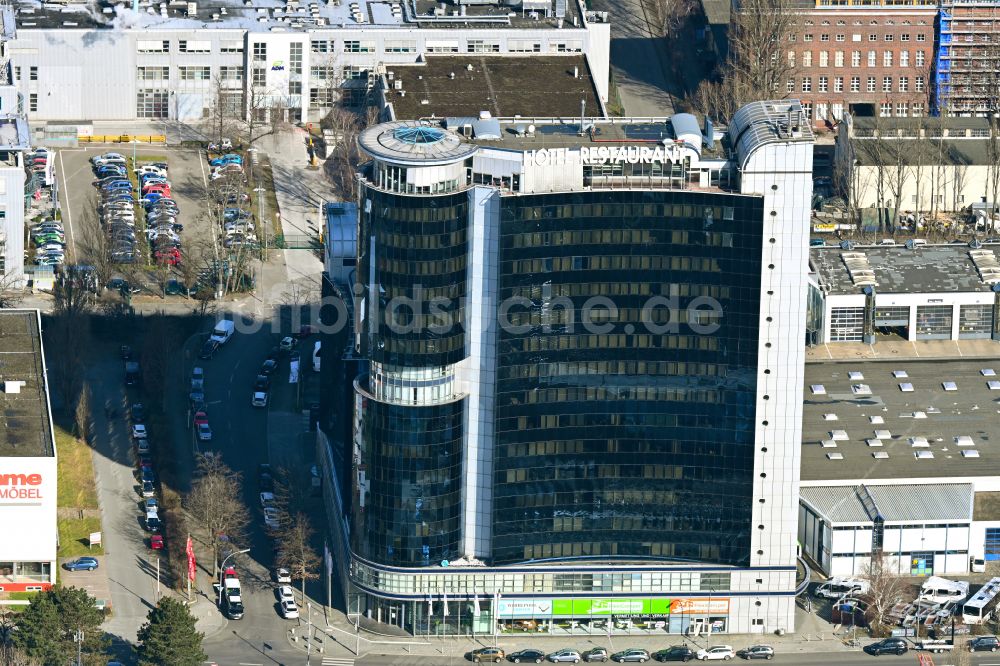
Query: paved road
[
  {"x": 638, "y": 59},
  {"x": 240, "y": 434},
  {"x": 812, "y": 659},
  {"x": 129, "y": 565}
]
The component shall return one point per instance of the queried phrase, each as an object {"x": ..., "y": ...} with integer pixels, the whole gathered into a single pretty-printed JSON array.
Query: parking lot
[{"x": 188, "y": 174}]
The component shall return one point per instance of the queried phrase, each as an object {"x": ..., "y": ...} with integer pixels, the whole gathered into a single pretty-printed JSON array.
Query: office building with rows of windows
[
  {"x": 864, "y": 58},
  {"x": 294, "y": 61},
  {"x": 579, "y": 401}
]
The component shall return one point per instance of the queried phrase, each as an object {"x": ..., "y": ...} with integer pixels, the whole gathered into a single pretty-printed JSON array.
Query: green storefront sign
[{"x": 608, "y": 607}]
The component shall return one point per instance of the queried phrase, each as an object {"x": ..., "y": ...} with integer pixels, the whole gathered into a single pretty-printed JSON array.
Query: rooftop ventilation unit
[
  {"x": 923, "y": 455},
  {"x": 970, "y": 453},
  {"x": 880, "y": 455},
  {"x": 13, "y": 386},
  {"x": 835, "y": 455}
]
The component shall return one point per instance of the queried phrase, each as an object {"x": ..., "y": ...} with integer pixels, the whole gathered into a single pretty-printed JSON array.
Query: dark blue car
[{"x": 81, "y": 564}]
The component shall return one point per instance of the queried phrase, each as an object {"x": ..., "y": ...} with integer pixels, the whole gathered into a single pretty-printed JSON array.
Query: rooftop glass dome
[{"x": 418, "y": 135}]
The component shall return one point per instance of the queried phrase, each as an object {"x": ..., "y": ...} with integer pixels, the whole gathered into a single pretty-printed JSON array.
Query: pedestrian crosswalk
[{"x": 338, "y": 661}]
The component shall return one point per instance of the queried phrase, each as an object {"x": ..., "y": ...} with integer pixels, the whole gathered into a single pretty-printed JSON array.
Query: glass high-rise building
[{"x": 581, "y": 405}]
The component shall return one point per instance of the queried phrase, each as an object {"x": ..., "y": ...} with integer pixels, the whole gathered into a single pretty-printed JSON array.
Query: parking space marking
[
  {"x": 69, "y": 213},
  {"x": 201, "y": 163}
]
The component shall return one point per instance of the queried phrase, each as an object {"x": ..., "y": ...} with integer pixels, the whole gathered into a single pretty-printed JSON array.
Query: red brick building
[{"x": 865, "y": 59}]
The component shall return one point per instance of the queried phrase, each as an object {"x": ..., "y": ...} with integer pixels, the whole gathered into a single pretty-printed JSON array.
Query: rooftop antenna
[{"x": 583, "y": 115}]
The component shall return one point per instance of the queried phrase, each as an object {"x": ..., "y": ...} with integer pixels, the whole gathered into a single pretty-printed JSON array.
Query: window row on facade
[
  {"x": 854, "y": 84},
  {"x": 856, "y": 58},
  {"x": 519, "y": 583}
]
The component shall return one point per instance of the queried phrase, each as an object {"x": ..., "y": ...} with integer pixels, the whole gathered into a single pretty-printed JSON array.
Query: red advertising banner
[{"x": 191, "y": 562}]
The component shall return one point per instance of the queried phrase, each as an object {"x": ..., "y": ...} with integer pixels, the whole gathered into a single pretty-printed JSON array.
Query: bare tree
[
  {"x": 68, "y": 334},
  {"x": 298, "y": 555},
  {"x": 82, "y": 414},
  {"x": 885, "y": 590},
  {"x": 757, "y": 66},
  {"x": 226, "y": 113},
  {"x": 11, "y": 291},
  {"x": 94, "y": 246},
  {"x": 214, "y": 503},
  {"x": 341, "y": 166}
]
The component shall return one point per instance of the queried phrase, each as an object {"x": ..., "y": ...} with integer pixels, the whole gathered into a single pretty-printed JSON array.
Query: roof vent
[
  {"x": 835, "y": 455},
  {"x": 13, "y": 386},
  {"x": 923, "y": 455},
  {"x": 993, "y": 385},
  {"x": 880, "y": 455},
  {"x": 970, "y": 453}
]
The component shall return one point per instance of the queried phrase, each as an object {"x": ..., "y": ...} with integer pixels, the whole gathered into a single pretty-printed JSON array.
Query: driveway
[
  {"x": 129, "y": 564},
  {"x": 638, "y": 59}
]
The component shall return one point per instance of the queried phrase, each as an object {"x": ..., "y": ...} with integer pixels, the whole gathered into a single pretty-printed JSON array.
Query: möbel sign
[{"x": 20, "y": 486}]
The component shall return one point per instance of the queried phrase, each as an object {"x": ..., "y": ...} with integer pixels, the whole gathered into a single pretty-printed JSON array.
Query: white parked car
[
  {"x": 285, "y": 594},
  {"x": 283, "y": 575},
  {"x": 138, "y": 431},
  {"x": 289, "y": 610},
  {"x": 267, "y": 500},
  {"x": 716, "y": 653},
  {"x": 204, "y": 432},
  {"x": 259, "y": 399}
]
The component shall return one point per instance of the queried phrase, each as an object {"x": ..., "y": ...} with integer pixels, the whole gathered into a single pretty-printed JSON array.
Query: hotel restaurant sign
[{"x": 597, "y": 155}]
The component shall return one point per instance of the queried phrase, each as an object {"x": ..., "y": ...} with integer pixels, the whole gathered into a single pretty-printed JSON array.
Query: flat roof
[
  {"x": 503, "y": 85},
  {"x": 27, "y": 426},
  {"x": 956, "y": 430},
  {"x": 294, "y": 15},
  {"x": 895, "y": 503},
  {"x": 899, "y": 270}
]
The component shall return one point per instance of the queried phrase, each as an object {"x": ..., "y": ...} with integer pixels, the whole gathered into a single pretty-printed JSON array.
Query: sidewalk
[
  {"x": 814, "y": 635},
  {"x": 899, "y": 349}
]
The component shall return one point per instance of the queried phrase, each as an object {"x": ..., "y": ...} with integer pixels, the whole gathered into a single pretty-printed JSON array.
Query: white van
[
  {"x": 940, "y": 590},
  {"x": 837, "y": 587},
  {"x": 223, "y": 331},
  {"x": 316, "y": 356}
]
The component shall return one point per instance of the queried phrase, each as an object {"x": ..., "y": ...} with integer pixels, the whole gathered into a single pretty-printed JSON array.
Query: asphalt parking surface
[{"x": 188, "y": 175}]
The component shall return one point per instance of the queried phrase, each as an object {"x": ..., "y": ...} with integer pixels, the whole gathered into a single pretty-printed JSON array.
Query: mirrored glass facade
[
  {"x": 412, "y": 262},
  {"x": 631, "y": 436},
  {"x": 412, "y": 467}
]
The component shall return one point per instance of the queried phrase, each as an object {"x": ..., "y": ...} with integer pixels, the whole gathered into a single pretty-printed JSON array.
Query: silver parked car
[{"x": 562, "y": 656}]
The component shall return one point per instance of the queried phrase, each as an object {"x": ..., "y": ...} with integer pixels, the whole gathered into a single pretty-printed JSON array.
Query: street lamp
[{"x": 222, "y": 569}]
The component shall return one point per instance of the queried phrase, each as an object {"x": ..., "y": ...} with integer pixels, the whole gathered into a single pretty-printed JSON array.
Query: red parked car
[
  {"x": 156, "y": 542},
  {"x": 170, "y": 256}
]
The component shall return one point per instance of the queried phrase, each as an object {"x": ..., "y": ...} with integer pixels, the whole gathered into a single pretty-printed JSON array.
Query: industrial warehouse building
[
  {"x": 910, "y": 292},
  {"x": 898, "y": 457},
  {"x": 27, "y": 458},
  {"x": 517, "y": 504},
  {"x": 96, "y": 61}
]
